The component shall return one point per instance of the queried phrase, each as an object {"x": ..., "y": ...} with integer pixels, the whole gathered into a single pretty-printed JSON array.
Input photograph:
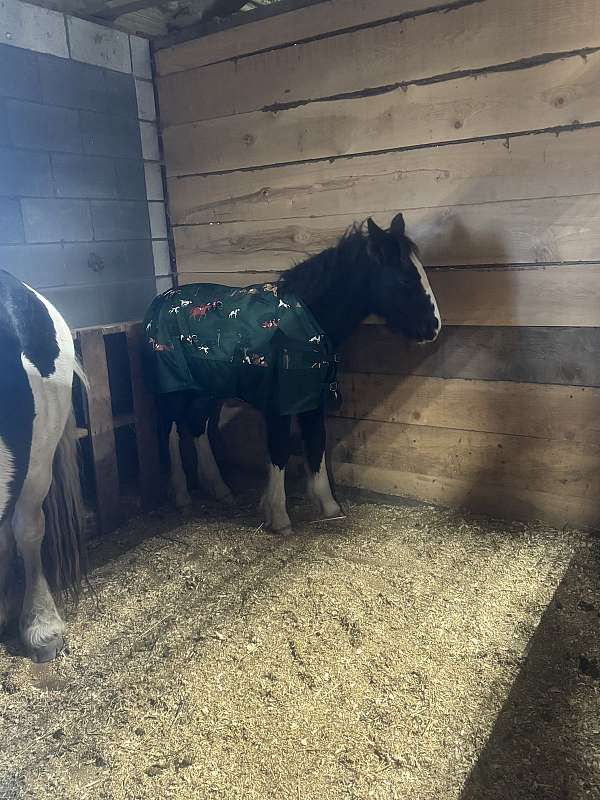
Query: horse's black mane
[
  {"x": 337, "y": 284},
  {"x": 317, "y": 274},
  {"x": 336, "y": 265}
]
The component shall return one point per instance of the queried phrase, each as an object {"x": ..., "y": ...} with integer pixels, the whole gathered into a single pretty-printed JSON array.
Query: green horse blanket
[{"x": 259, "y": 344}]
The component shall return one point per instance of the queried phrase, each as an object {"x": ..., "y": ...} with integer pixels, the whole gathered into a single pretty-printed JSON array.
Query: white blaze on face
[{"x": 428, "y": 290}]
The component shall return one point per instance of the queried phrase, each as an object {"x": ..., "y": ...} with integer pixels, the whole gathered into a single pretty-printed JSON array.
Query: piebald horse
[
  {"x": 195, "y": 334},
  {"x": 41, "y": 509}
]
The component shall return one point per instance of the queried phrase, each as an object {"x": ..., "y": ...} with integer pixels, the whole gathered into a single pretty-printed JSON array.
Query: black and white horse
[
  {"x": 370, "y": 271},
  {"x": 41, "y": 510}
]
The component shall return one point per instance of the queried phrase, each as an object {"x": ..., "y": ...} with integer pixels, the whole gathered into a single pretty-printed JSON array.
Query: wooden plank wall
[{"x": 481, "y": 121}]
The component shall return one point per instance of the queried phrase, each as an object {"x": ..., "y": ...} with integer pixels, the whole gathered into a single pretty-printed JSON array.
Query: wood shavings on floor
[{"x": 402, "y": 652}]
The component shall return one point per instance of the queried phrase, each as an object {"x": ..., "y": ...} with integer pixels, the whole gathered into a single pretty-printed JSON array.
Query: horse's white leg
[
  {"x": 178, "y": 479},
  {"x": 6, "y": 555},
  {"x": 312, "y": 425},
  {"x": 319, "y": 490},
  {"x": 274, "y": 502},
  {"x": 209, "y": 470},
  {"x": 41, "y": 625}
]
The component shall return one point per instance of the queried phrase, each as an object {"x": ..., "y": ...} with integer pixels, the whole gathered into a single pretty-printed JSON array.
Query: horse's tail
[
  {"x": 78, "y": 370},
  {"x": 65, "y": 557}
]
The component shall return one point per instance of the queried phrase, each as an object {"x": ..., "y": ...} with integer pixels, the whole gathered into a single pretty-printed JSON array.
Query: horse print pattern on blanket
[
  {"x": 41, "y": 510},
  {"x": 260, "y": 344},
  {"x": 274, "y": 345}
]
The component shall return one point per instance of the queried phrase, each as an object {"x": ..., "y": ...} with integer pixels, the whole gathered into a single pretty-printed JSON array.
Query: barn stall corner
[{"x": 440, "y": 639}]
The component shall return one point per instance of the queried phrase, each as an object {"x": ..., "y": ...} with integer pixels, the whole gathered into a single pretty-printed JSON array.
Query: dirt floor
[{"x": 405, "y": 652}]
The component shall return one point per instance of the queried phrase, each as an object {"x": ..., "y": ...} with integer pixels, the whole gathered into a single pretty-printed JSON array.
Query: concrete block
[
  {"x": 108, "y": 262},
  {"x": 154, "y": 182},
  {"x": 120, "y": 94},
  {"x": 158, "y": 220},
  {"x": 110, "y": 136},
  {"x": 163, "y": 284},
  {"x": 145, "y": 100},
  {"x": 39, "y": 265},
  {"x": 43, "y": 127},
  {"x": 56, "y": 220},
  {"x": 72, "y": 84},
  {"x": 129, "y": 301},
  {"x": 19, "y": 74},
  {"x": 162, "y": 260},
  {"x": 81, "y": 306},
  {"x": 140, "y": 57},
  {"x": 84, "y": 176},
  {"x": 149, "y": 136},
  {"x": 25, "y": 173},
  {"x": 120, "y": 219},
  {"x": 11, "y": 224},
  {"x": 131, "y": 184},
  {"x": 32, "y": 27},
  {"x": 4, "y": 137},
  {"x": 95, "y": 44}
]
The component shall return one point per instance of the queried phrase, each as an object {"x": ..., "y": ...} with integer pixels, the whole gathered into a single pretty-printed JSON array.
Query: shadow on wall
[
  {"x": 544, "y": 743},
  {"x": 470, "y": 482}
]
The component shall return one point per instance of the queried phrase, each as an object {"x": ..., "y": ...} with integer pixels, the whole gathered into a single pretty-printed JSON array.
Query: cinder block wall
[{"x": 82, "y": 215}]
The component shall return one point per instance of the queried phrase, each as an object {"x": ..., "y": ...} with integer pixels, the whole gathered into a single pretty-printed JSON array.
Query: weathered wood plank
[
  {"x": 509, "y": 232},
  {"x": 472, "y": 495},
  {"x": 472, "y": 37},
  {"x": 288, "y": 28},
  {"x": 512, "y": 462},
  {"x": 227, "y": 278},
  {"x": 101, "y": 427},
  {"x": 567, "y": 295},
  {"x": 551, "y": 296},
  {"x": 569, "y": 413},
  {"x": 563, "y": 356},
  {"x": 534, "y": 166},
  {"x": 554, "y": 94}
]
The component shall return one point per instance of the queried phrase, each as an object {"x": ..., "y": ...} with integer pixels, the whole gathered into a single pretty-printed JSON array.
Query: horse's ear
[
  {"x": 397, "y": 226},
  {"x": 375, "y": 231}
]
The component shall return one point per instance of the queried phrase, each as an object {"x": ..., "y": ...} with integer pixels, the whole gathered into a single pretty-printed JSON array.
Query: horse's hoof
[
  {"x": 334, "y": 514},
  {"x": 226, "y": 499},
  {"x": 183, "y": 502},
  {"x": 47, "y": 652},
  {"x": 3, "y": 616},
  {"x": 288, "y": 531}
]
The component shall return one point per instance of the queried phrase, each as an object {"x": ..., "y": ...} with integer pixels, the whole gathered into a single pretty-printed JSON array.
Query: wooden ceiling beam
[{"x": 217, "y": 8}]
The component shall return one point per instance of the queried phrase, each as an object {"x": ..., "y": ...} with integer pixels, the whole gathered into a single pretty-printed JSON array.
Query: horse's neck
[
  {"x": 338, "y": 314},
  {"x": 343, "y": 302}
]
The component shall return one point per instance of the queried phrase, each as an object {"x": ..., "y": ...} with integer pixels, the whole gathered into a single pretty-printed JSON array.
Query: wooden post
[
  {"x": 146, "y": 423},
  {"x": 102, "y": 435}
]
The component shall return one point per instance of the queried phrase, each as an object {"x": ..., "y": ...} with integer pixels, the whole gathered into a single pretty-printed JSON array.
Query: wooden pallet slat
[
  {"x": 101, "y": 429},
  {"x": 146, "y": 427}
]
